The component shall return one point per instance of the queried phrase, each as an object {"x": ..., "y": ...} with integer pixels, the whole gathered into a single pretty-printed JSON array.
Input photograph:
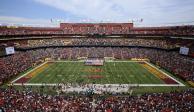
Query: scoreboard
[
  {"x": 6, "y": 51},
  {"x": 187, "y": 51},
  {"x": 9, "y": 50},
  {"x": 184, "y": 50}
]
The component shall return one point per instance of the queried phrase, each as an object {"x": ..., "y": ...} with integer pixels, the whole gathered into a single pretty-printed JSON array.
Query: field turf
[{"x": 109, "y": 73}]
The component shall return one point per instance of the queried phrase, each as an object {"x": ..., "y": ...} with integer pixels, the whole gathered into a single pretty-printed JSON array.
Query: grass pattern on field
[{"x": 112, "y": 72}]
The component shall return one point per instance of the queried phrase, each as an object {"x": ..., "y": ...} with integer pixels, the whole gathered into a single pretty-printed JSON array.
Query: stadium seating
[
  {"x": 99, "y": 42},
  {"x": 27, "y": 100},
  {"x": 163, "y": 31},
  {"x": 34, "y": 45},
  {"x": 163, "y": 43}
]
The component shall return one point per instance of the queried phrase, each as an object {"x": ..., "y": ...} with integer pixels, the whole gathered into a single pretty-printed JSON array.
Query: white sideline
[
  {"x": 29, "y": 72},
  {"x": 124, "y": 61},
  {"x": 67, "y": 61},
  {"x": 180, "y": 84},
  {"x": 116, "y": 85},
  {"x": 113, "y": 85},
  {"x": 105, "y": 61},
  {"x": 99, "y": 88}
]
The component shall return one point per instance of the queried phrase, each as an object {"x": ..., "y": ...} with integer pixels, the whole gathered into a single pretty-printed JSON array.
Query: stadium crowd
[
  {"x": 107, "y": 41},
  {"x": 170, "y": 60},
  {"x": 12, "y": 100},
  {"x": 13, "y": 65},
  {"x": 159, "y": 43},
  {"x": 176, "y": 30},
  {"x": 26, "y": 100}
]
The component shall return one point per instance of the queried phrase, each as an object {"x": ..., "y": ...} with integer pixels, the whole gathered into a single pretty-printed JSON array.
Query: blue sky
[{"x": 153, "y": 12}]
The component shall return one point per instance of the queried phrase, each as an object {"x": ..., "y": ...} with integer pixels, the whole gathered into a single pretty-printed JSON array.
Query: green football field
[{"x": 78, "y": 72}]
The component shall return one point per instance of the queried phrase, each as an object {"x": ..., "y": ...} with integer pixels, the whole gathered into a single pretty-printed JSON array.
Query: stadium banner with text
[
  {"x": 9, "y": 50},
  {"x": 97, "y": 62},
  {"x": 184, "y": 50}
]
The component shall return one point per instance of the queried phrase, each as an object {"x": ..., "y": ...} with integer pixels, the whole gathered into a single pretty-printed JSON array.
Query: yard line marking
[{"x": 115, "y": 71}]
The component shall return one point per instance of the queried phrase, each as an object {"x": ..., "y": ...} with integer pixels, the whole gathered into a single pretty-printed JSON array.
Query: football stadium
[{"x": 103, "y": 66}]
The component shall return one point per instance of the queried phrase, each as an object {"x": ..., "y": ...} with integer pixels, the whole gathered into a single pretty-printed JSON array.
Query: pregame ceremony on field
[{"x": 96, "y": 56}]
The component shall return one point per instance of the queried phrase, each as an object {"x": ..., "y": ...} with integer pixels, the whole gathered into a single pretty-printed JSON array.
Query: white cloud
[
  {"x": 11, "y": 20},
  {"x": 152, "y": 11}
]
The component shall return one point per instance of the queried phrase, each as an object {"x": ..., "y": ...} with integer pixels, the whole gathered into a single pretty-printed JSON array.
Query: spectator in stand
[
  {"x": 165, "y": 31},
  {"x": 160, "y": 43},
  {"x": 12, "y": 100}
]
